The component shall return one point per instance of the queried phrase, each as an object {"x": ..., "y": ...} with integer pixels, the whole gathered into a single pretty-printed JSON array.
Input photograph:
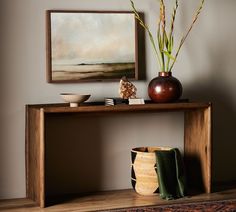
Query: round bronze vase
[
  {"x": 144, "y": 170},
  {"x": 164, "y": 88}
]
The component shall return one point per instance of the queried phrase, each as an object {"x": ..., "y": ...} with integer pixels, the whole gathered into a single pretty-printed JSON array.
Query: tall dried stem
[
  {"x": 141, "y": 22},
  {"x": 171, "y": 37},
  {"x": 166, "y": 42},
  {"x": 163, "y": 27}
]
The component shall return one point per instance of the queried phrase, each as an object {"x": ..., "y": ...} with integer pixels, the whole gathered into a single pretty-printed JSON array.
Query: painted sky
[{"x": 92, "y": 37}]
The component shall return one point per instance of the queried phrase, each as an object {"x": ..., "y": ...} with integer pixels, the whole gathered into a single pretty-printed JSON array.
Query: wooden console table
[{"x": 197, "y": 140}]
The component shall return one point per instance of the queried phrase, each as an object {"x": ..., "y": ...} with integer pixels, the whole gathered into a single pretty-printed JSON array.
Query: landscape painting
[{"x": 91, "y": 46}]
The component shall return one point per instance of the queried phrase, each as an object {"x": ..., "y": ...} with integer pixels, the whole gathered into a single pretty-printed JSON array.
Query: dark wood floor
[{"x": 111, "y": 200}]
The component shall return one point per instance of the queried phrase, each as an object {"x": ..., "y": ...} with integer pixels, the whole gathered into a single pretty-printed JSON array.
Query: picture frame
[{"x": 86, "y": 46}]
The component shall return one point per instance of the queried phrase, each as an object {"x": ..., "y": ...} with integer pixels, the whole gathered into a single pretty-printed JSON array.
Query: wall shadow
[
  {"x": 214, "y": 89},
  {"x": 217, "y": 47},
  {"x": 194, "y": 179},
  {"x": 73, "y": 156}
]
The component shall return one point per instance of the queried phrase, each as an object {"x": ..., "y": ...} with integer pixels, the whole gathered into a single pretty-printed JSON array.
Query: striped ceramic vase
[{"x": 144, "y": 170}]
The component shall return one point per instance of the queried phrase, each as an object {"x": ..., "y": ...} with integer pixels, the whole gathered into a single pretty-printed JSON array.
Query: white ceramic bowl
[{"x": 74, "y": 99}]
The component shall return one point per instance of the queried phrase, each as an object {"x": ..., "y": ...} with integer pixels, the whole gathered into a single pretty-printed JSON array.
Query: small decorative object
[
  {"x": 136, "y": 101},
  {"x": 144, "y": 170},
  {"x": 115, "y": 101},
  {"x": 109, "y": 102},
  {"x": 165, "y": 88},
  {"x": 127, "y": 89},
  {"x": 91, "y": 45},
  {"x": 74, "y": 99}
]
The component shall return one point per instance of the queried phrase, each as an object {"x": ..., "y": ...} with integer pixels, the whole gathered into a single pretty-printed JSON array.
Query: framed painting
[{"x": 91, "y": 46}]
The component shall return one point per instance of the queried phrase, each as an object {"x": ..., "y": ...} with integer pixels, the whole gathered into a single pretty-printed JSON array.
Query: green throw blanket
[{"x": 171, "y": 174}]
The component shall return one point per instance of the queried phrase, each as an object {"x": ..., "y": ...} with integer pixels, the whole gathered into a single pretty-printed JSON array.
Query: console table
[{"x": 197, "y": 139}]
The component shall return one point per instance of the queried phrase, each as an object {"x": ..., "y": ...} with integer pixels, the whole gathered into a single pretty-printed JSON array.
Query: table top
[{"x": 98, "y": 107}]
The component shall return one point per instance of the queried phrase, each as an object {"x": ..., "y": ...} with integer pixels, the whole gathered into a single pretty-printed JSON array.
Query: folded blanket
[{"x": 171, "y": 174}]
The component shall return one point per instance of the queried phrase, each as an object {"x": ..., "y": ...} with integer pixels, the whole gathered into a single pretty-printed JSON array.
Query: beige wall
[{"x": 205, "y": 67}]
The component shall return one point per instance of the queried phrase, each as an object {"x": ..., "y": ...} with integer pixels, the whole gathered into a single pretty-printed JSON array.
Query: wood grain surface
[
  {"x": 64, "y": 108},
  {"x": 112, "y": 200},
  {"x": 197, "y": 139},
  {"x": 197, "y": 147},
  {"x": 35, "y": 155}
]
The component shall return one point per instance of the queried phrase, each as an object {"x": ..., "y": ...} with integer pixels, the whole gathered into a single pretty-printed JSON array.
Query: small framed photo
[{"x": 87, "y": 46}]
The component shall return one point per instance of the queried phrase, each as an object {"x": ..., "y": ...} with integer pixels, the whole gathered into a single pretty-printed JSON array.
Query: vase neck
[{"x": 165, "y": 74}]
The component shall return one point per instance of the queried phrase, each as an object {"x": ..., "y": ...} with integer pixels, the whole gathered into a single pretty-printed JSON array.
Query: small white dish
[{"x": 74, "y": 99}]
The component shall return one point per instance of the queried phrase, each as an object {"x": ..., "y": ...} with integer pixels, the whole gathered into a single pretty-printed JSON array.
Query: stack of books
[
  {"x": 109, "y": 102},
  {"x": 119, "y": 101},
  {"x": 136, "y": 101},
  {"x": 115, "y": 101}
]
